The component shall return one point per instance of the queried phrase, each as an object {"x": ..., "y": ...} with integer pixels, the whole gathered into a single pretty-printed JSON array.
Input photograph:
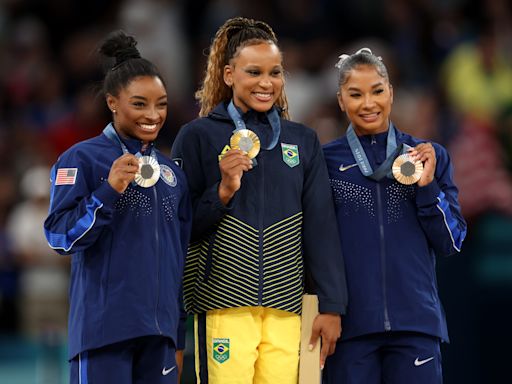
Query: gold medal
[
  {"x": 406, "y": 170},
  {"x": 148, "y": 173},
  {"x": 247, "y": 141}
]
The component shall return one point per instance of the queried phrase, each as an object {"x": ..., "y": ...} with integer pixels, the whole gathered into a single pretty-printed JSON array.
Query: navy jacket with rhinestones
[
  {"x": 127, "y": 250},
  {"x": 391, "y": 234},
  {"x": 253, "y": 251}
]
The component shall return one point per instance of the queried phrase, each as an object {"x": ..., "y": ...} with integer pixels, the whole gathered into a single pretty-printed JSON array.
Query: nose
[
  {"x": 368, "y": 101},
  {"x": 265, "y": 82},
  {"x": 152, "y": 113}
]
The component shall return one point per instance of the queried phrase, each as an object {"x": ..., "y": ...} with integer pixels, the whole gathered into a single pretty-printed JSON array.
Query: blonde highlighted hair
[{"x": 234, "y": 34}]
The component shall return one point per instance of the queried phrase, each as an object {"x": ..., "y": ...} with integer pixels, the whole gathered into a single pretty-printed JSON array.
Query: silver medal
[{"x": 148, "y": 173}]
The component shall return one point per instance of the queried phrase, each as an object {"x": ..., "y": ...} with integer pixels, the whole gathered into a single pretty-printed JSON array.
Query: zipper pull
[{"x": 373, "y": 140}]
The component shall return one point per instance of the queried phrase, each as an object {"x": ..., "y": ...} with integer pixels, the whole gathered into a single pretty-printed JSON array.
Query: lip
[
  {"x": 263, "y": 97},
  {"x": 370, "y": 117}
]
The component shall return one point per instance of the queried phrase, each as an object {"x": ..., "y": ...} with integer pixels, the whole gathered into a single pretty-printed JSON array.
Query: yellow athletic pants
[{"x": 247, "y": 345}]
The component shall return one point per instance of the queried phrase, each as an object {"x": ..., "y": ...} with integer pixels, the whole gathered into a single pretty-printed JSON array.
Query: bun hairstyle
[
  {"x": 364, "y": 56},
  {"x": 123, "y": 62},
  {"x": 231, "y": 37}
]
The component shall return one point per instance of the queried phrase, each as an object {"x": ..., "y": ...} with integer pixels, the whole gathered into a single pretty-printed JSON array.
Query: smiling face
[
  {"x": 366, "y": 97},
  {"x": 140, "y": 109},
  {"x": 256, "y": 77}
]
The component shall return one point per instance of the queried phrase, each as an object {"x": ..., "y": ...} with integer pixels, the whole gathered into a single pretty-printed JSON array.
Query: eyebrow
[
  {"x": 145, "y": 98},
  {"x": 258, "y": 66},
  {"x": 379, "y": 84}
]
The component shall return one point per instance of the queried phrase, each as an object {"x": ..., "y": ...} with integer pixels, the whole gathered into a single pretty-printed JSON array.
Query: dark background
[{"x": 450, "y": 62}]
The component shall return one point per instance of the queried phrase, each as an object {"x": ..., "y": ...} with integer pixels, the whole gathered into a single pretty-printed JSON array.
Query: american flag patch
[{"x": 66, "y": 176}]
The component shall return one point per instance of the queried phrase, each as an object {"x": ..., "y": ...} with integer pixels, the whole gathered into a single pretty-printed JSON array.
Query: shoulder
[
  {"x": 296, "y": 133},
  {"x": 337, "y": 151},
  {"x": 336, "y": 145},
  {"x": 442, "y": 156},
  {"x": 89, "y": 148},
  {"x": 414, "y": 141},
  {"x": 201, "y": 127},
  {"x": 298, "y": 129},
  {"x": 196, "y": 126}
]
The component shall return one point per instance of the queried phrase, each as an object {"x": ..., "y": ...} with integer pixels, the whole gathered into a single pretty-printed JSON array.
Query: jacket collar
[
  {"x": 131, "y": 144},
  {"x": 220, "y": 112}
]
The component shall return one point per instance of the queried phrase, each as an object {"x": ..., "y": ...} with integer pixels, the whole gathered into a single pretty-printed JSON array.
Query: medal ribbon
[
  {"x": 111, "y": 133},
  {"x": 273, "y": 119},
  {"x": 392, "y": 151}
]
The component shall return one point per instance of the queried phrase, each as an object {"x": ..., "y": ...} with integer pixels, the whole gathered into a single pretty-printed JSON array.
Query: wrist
[{"x": 225, "y": 193}]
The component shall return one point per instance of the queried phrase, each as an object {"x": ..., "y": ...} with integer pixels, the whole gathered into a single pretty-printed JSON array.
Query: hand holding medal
[
  {"x": 232, "y": 167},
  {"x": 426, "y": 153},
  {"x": 122, "y": 172},
  {"x": 416, "y": 166}
]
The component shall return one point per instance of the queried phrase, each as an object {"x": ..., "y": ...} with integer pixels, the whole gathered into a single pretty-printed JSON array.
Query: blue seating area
[{"x": 24, "y": 361}]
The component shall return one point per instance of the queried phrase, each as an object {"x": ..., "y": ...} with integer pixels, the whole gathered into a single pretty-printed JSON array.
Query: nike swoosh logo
[
  {"x": 344, "y": 168},
  {"x": 419, "y": 362},
  {"x": 165, "y": 371}
]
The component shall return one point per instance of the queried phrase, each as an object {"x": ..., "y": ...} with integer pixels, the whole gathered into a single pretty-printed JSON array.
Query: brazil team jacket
[
  {"x": 390, "y": 235},
  {"x": 252, "y": 251},
  {"x": 128, "y": 250}
]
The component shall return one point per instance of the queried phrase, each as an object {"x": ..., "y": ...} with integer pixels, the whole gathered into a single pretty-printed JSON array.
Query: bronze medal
[{"x": 406, "y": 170}]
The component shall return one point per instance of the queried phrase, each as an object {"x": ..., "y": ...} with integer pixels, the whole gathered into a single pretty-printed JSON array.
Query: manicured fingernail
[
  {"x": 310, "y": 347},
  {"x": 322, "y": 367}
]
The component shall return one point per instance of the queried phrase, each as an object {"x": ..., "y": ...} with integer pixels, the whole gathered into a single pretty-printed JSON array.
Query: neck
[{"x": 363, "y": 132}]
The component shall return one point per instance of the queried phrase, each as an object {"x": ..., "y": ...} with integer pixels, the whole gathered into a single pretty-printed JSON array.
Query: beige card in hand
[{"x": 309, "y": 366}]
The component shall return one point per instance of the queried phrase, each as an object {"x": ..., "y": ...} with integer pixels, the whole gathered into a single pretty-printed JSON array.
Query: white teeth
[
  {"x": 370, "y": 116},
  {"x": 263, "y": 95},
  {"x": 148, "y": 127}
]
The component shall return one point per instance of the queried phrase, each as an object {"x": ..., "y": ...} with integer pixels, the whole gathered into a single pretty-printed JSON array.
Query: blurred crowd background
[{"x": 450, "y": 62}]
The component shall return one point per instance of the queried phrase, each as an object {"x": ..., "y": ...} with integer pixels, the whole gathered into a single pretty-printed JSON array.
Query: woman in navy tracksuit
[
  {"x": 122, "y": 211},
  {"x": 391, "y": 232}
]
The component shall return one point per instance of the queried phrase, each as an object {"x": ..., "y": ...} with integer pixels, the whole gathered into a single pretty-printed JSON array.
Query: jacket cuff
[
  {"x": 326, "y": 306},
  {"x": 212, "y": 195},
  {"x": 427, "y": 195},
  {"x": 107, "y": 195}
]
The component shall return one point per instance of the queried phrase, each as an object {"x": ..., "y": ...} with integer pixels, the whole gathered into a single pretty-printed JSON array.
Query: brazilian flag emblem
[
  {"x": 221, "y": 350},
  {"x": 290, "y": 154}
]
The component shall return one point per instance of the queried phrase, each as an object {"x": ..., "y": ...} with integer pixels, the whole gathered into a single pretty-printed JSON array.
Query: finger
[
  {"x": 428, "y": 155},
  {"x": 236, "y": 166},
  {"x": 232, "y": 153},
  {"x": 234, "y": 156},
  {"x": 126, "y": 162},
  {"x": 315, "y": 335},
  {"x": 324, "y": 352},
  {"x": 237, "y": 163}
]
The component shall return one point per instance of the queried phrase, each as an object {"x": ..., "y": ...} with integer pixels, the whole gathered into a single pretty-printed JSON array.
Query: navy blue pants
[
  {"x": 143, "y": 360},
  {"x": 385, "y": 358}
]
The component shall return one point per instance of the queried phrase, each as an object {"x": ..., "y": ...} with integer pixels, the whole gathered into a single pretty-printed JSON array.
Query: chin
[
  {"x": 373, "y": 127},
  {"x": 150, "y": 137},
  {"x": 263, "y": 107}
]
